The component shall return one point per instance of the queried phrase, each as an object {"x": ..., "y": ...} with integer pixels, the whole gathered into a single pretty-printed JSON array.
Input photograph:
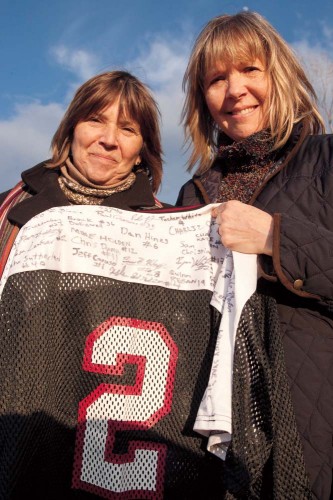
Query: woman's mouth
[
  {"x": 243, "y": 111},
  {"x": 103, "y": 157}
]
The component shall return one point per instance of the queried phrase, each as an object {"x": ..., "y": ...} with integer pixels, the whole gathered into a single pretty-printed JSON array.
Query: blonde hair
[
  {"x": 246, "y": 36},
  {"x": 135, "y": 102}
]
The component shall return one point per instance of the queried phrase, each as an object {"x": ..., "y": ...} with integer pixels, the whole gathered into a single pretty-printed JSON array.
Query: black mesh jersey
[{"x": 100, "y": 385}]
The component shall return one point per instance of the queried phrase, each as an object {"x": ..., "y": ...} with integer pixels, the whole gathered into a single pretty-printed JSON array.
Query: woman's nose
[
  {"x": 109, "y": 136},
  {"x": 235, "y": 86}
]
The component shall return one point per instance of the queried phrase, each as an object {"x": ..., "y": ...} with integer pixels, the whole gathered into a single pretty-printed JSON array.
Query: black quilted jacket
[{"x": 300, "y": 277}]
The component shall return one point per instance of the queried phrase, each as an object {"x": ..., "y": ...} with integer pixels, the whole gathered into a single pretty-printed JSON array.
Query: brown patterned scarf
[
  {"x": 83, "y": 195},
  {"x": 244, "y": 165}
]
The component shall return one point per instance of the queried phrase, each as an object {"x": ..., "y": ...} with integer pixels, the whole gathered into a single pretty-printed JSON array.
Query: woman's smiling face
[
  {"x": 106, "y": 146},
  {"x": 236, "y": 96}
]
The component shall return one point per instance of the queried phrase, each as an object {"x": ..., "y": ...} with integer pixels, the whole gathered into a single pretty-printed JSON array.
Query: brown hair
[
  {"x": 136, "y": 102},
  {"x": 246, "y": 36}
]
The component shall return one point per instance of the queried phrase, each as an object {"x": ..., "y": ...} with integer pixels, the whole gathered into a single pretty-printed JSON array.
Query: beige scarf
[{"x": 80, "y": 191}]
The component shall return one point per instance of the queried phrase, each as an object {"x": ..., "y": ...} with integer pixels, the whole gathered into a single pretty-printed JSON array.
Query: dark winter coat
[{"x": 300, "y": 277}]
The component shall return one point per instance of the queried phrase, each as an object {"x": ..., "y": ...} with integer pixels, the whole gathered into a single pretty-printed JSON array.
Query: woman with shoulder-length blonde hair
[
  {"x": 246, "y": 37},
  {"x": 258, "y": 142}
]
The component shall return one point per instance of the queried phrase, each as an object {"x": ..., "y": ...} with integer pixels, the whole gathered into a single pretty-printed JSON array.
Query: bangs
[
  {"x": 129, "y": 105},
  {"x": 133, "y": 105},
  {"x": 97, "y": 101},
  {"x": 130, "y": 101},
  {"x": 233, "y": 44}
]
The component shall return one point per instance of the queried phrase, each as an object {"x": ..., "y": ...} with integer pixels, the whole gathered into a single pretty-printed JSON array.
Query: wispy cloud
[
  {"x": 81, "y": 63},
  {"x": 25, "y": 138},
  {"x": 162, "y": 64},
  {"x": 317, "y": 61},
  {"x": 328, "y": 35},
  {"x": 163, "y": 60}
]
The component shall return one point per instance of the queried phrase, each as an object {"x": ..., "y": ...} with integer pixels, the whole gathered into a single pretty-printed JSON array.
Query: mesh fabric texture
[
  {"x": 46, "y": 318},
  {"x": 265, "y": 459}
]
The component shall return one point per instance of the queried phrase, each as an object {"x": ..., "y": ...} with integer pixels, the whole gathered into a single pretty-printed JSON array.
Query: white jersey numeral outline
[{"x": 110, "y": 408}]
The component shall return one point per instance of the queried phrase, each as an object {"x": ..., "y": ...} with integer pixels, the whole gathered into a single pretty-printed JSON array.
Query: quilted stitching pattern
[
  {"x": 306, "y": 253},
  {"x": 303, "y": 194}
]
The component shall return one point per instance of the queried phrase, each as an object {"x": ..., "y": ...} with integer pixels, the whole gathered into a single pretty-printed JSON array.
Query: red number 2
[{"x": 139, "y": 473}]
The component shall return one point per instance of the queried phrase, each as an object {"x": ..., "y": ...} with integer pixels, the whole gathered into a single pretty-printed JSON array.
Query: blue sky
[{"x": 48, "y": 49}]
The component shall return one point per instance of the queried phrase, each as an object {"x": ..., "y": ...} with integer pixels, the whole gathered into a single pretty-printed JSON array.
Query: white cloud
[
  {"x": 162, "y": 65},
  {"x": 318, "y": 64},
  {"x": 81, "y": 63},
  {"x": 328, "y": 35},
  {"x": 25, "y": 138},
  {"x": 163, "y": 60}
]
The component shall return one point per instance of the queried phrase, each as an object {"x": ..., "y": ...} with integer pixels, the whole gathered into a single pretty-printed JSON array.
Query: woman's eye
[
  {"x": 94, "y": 119},
  {"x": 128, "y": 129},
  {"x": 250, "y": 69},
  {"x": 217, "y": 79}
]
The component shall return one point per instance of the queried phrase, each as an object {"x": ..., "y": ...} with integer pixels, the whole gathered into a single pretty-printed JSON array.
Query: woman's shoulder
[
  {"x": 202, "y": 188},
  {"x": 36, "y": 176},
  {"x": 321, "y": 141},
  {"x": 189, "y": 195},
  {"x": 28, "y": 176},
  {"x": 4, "y": 195},
  {"x": 315, "y": 151}
]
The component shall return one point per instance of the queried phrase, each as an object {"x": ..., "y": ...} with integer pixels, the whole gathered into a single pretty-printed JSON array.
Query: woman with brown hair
[
  {"x": 106, "y": 155},
  {"x": 251, "y": 116},
  {"x": 106, "y": 150}
]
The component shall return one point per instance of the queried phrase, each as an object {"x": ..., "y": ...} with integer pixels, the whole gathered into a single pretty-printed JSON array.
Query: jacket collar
[{"x": 42, "y": 184}]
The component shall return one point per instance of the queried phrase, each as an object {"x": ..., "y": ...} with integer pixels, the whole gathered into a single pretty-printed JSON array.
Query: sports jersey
[{"x": 109, "y": 323}]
